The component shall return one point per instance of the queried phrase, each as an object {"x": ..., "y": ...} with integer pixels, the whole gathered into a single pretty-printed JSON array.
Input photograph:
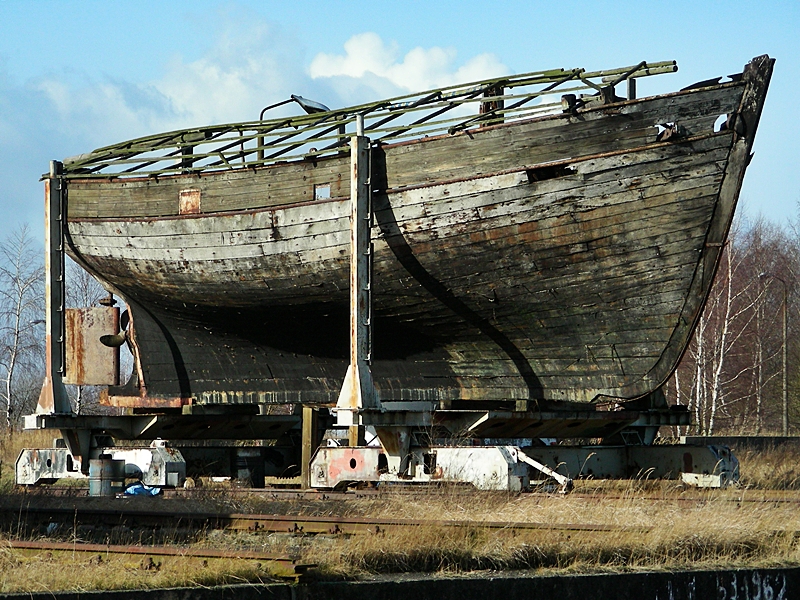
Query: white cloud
[
  {"x": 104, "y": 112},
  {"x": 241, "y": 73},
  {"x": 364, "y": 53},
  {"x": 369, "y": 59},
  {"x": 246, "y": 68}
]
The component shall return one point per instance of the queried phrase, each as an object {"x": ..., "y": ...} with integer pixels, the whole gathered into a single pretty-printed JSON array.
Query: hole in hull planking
[
  {"x": 322, "y": 191},
  {"x": 670, "y": 132},
  {"x": 548, "y": 172}
]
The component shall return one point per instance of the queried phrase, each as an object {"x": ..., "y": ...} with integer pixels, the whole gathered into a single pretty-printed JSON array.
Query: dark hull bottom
[{"x": 300, "y": 354}]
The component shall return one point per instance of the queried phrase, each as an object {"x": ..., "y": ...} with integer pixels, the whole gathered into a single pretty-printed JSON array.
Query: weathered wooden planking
[
  {"x": 286, "y": 266},
  {"x": 556, "y": 279},
  {"x": 437, "y": 159},
  {"x": 300, "y": 221},
  {"x": 233, "y": 241},
  {"x": 234, "y": 237},
  {"x": 550, "y": 238},
  {"x": 565, "y": 280}
]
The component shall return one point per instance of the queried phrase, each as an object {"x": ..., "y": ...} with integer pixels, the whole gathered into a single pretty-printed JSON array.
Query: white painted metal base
[
  {"x": 485, "y": 467},
  {"x": 156, "y": 466},
  {"x": 510, "y": 468},
  {"x": 704, "y": 466}
]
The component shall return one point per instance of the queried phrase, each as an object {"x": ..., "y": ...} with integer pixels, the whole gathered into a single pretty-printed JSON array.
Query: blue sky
[{"x": 78, "y": 75}]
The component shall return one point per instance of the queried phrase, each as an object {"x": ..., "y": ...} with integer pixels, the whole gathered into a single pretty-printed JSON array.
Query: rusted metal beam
[
  {"x": 53, "y": 398},
  {"x": 358, "y": 390},
  {"x": 309, "y": 444},
  {"x": 307, "y": 524},
  {"x": 157, "y": 551},
  {"x": 89, "y": 362}
]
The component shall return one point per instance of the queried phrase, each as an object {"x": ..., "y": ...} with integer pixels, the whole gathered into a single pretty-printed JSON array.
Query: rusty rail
[
  {"x": 76, "y": 491},
  {"x": 776, "y": 496},
  {"x": 150, "y": 550},
  {"x": 295, "y": 524},
  {"x": 356, "y": 525}
]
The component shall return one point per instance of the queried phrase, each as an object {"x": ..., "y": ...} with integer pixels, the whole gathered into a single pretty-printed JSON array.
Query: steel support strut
[
  {"x": 53, "y": 398},
  {"x": 358, "y": 391}
]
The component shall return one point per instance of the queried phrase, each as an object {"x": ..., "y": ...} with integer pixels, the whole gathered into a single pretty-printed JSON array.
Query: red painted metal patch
[{"x": 189, "y": 202}]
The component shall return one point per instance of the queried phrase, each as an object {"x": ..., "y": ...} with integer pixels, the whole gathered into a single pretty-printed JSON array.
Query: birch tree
[
  {"x": 21, "y": 314},
  {"x": 730, "y": 374}
]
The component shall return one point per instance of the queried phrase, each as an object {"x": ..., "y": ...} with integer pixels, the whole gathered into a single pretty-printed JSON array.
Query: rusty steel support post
[
  {"x": 358, "y": 391},
  {"x": 53, "y": 398}
]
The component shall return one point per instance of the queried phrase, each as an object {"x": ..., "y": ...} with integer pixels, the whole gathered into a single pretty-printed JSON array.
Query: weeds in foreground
[
  {"x": 776, "y": 468},
  {"x": 649, "y": 525},
  {"x": 53, "y": 571},
  {"x": 469, "y": 552}
]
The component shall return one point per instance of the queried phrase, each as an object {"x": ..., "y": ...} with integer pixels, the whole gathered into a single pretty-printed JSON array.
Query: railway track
[
  {"x": 284, "y": 494},
  {"x": 276, "y": 564},
  {"x": 276, "y": 523},
  {"x": 37, "y": 522},
  {"x": 32, "y": 512},
  {"x": 201, "y": 492},
  {"x": 746, "y": 496},
  {"x": 150, "y": 550}
]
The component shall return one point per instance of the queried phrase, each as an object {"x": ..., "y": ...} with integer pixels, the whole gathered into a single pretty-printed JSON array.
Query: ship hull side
[{"x": 562, "y": 276}]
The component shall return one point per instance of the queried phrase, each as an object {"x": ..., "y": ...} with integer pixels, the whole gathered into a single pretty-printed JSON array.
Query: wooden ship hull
[{"x": 517, "y": 256}]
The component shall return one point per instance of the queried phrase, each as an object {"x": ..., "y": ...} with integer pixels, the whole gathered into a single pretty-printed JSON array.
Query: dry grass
[
  {"x": 666, "y": 532},
  {"x": 660, "y": 525},
  {"x": 22, "y": 571},
  {"x": 776, "y": 468}
]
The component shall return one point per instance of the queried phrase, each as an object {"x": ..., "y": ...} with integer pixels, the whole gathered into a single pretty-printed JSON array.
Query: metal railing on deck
[{"x": 436, "y": 112}]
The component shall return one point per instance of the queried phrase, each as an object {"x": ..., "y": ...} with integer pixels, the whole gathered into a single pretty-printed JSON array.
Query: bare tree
[
  {"x": 729, "y": 377},
  {"x": 774, "y": 262},
  {"x": 81, "y": 287},
  {"x": 725, "y": 319},
  {"x": 21, "y": 311}
]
